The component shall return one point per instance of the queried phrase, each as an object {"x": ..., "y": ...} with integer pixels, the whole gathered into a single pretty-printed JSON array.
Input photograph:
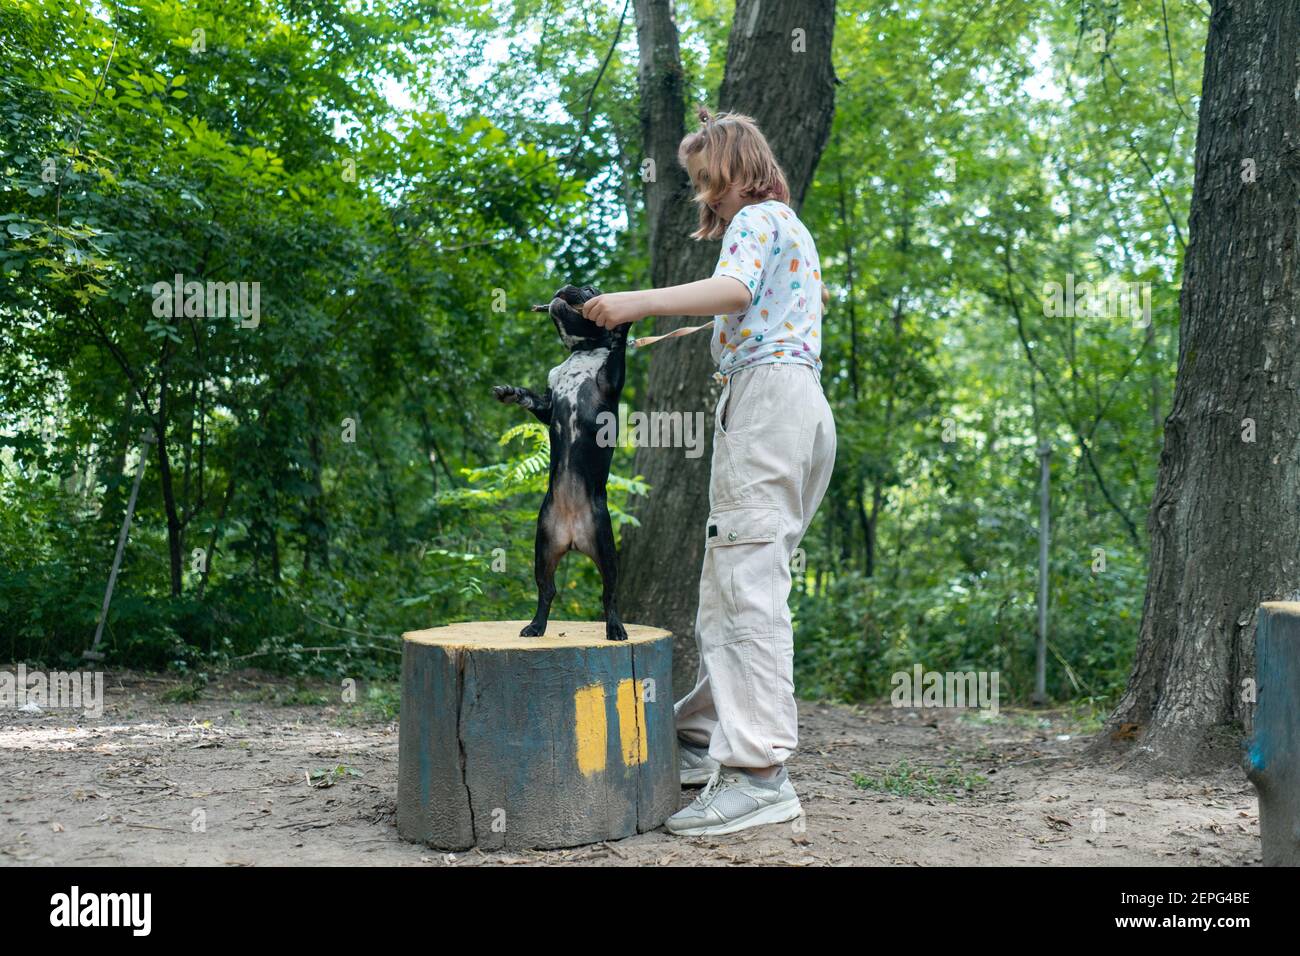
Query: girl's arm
[{"x": 720, "y": 295}]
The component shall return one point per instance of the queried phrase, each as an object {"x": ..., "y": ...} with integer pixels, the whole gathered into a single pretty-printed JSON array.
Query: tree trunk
[
  {"x": 214, "y": 537},
  {"x": 588, "y": 754},
  {"x": 1226, "y": 515},
  {"x": 317, "y": 544},
  {"x": 174, "y": 527},
  {"x": 791, "y": 97}
]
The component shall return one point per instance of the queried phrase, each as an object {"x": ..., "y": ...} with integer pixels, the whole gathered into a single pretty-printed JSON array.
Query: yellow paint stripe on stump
[
  {"x": 631, "y": 722},
  {"x": 589, "y": 725}
]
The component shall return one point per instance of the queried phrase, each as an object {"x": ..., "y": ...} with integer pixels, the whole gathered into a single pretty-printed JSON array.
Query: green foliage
[
  {"x": 500, "y": 502},
  {"x": 403, "y": 179},
  {"x": 974, "y": 159},
  {"x": 526, "y": 474},
  {"x": 289, "y": 445}
]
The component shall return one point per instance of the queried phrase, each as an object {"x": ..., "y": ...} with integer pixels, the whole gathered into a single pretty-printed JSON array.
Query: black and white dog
[{"x": 581, "y": 399}]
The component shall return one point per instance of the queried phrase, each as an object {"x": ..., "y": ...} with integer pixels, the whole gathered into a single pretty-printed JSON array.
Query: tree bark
[
  {"x": 317, "y": 544},
  {"x": 174, "y": 526},
  {"x": 214, "y": 537},
  {"x": 1226, "y": 515},
  {"x": 791, "y": 97}
]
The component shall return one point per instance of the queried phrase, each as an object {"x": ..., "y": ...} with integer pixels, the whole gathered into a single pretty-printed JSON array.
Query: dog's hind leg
[
  {"x": 606, "y": 558},
  {"x": 546, "y": 558}
]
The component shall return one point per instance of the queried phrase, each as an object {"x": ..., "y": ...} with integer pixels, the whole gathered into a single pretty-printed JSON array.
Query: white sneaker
[
  {"x": 695, "y": 764},
  {"x": 733, "y": 800}
]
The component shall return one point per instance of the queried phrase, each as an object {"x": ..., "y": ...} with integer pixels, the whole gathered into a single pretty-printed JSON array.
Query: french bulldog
[{"x": 581, "y": 396}]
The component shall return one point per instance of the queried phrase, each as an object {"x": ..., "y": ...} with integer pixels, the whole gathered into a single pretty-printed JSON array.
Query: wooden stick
[{"x": 547, "y": 308}]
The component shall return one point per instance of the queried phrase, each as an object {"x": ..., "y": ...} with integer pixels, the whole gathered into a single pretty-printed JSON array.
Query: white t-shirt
[{"x": 768, "y": 249}]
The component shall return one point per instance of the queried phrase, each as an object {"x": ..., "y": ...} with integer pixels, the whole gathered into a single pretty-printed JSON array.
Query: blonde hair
[{"x": 733, "y": 152}]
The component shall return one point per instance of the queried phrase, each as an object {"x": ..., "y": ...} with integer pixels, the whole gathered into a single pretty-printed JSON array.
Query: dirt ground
[{"x": 253, "y": 770}]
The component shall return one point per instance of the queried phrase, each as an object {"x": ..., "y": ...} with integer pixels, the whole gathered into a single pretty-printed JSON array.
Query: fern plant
[
  {"x": 489, "y": 569},
  {"x": 525, "y": 473}
]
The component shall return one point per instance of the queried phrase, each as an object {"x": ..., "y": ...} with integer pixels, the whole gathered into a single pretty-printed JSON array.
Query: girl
[{"x": 773, "y": 450}]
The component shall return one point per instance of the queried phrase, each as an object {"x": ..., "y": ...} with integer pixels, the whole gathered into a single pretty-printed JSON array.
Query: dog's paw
[
  {"x": 533, "y": 630},
  {"x": 507, "y": 394},
  {"x": 615, "y": 631}
]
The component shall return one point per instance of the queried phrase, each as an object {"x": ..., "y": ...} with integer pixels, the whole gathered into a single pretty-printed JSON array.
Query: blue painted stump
[
  {"x": 1273, "y": 755},
  {"x": 510, "y": 742}
]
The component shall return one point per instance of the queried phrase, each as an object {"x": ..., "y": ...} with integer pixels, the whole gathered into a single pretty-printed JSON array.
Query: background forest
[{"x": 403, "y": 179}]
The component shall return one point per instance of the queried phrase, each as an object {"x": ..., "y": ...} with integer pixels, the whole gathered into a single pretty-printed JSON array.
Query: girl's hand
[{"x": 615, "y": 308}]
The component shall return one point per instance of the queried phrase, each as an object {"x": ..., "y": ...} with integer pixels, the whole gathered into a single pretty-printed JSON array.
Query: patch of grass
[
  {"x": 1084, "y": 716},
  {"x": 377, "y": 700},
  {"x": 305, "y": 697},
  {"x": 1088, "y": 714},
  {"x": 904, "y": 780},
  {"x": 300, "y": 695},
  {"x": 380, "y": 702},
  {"x": 982, "y": 753},
  {"x": 186, "y": 693}
]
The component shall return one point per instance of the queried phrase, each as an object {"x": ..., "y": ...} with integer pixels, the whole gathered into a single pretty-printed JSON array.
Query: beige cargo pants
[{"x": 773, "y": 452}]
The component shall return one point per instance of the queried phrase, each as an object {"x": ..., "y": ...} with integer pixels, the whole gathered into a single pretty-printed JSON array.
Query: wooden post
[
  {"x": 1273, "y": 755},
  {"x": 94, "y": 653},
  {"x": 510, "y": 742}
]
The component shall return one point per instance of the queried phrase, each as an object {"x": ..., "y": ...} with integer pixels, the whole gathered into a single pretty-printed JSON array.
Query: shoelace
[{"x": 710, "y": 789}]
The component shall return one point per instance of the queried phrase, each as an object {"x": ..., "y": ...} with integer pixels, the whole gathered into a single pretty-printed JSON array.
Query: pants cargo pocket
[
  {"x": 742, "y": 544},
  {"x": 754, "y": 700}
]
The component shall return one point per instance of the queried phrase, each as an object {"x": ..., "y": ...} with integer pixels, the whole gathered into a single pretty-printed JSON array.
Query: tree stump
[
  {"x": 510, "y": 742},
  {"x": 1273, "y": 757}
]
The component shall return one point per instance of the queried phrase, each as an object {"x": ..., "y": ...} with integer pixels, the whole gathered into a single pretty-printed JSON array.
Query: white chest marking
[{"x": 566, "y": 379}]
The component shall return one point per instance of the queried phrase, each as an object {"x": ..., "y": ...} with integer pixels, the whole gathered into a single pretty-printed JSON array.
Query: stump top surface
[
  {"x": 504, "y": 635},
  {"x": 1282, "y": 607}
]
